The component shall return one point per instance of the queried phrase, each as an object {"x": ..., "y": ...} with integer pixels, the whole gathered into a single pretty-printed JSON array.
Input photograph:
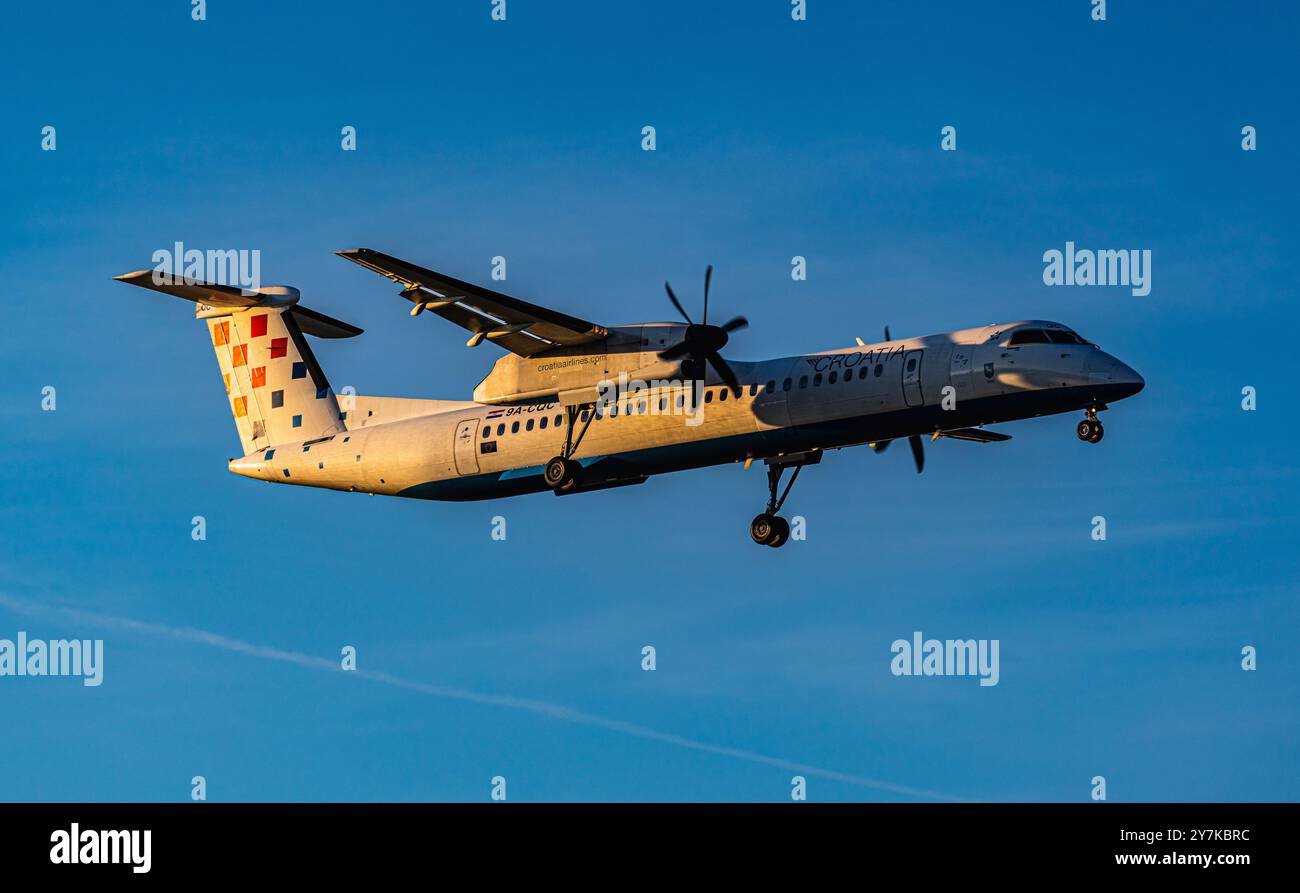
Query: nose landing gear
[
  {"x": 769, "y": 528},
  {"x": 1090, "y": 429}
]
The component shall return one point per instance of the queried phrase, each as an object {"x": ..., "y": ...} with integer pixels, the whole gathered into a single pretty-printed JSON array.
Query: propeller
[
  {"x": 918, "y": 450},
  {"x": 703, "y": 341}
]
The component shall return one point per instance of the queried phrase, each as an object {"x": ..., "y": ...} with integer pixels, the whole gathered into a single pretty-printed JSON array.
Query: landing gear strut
[
  {"x": 769, "y": 528},
  {"x": 1090, "y": 429},
  {"x": 562, "y": 473}
]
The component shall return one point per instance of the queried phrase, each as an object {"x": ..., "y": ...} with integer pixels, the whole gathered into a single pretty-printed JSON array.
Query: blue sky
[{"x": 775, "y": 138}]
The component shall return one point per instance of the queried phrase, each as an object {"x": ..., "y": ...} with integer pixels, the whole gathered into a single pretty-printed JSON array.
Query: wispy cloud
[{"x": 510, "y": 702}]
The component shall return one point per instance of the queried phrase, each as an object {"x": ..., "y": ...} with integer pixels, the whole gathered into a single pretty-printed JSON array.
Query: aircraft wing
[
  {"x": 518, "y": 326},
  {"x": 979, "y": 435}
]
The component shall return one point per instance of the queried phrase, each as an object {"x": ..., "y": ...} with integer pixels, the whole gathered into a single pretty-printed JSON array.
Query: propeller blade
[
  {"x": 680, "y": 349},
  {"x": 724, "y": 372},
  {"x": 734, "y": 324},
  {"x": 887, "y": 338},
  {"x": 678, "y": 304},
  {"x": 918, "y": 452},
  {"x": 881, "y": 445},
  {"x": 708, "y": 275}
]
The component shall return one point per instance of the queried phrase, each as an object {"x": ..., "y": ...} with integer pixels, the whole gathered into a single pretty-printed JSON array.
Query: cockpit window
[
  {"x": 1064, "y": 337},
  {"x": 1027, "y": 336}
]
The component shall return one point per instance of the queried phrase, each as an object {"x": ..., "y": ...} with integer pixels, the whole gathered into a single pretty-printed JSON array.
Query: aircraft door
[
  {"x": 466, "y": 447},
  {"x": 912, "y": 377}
]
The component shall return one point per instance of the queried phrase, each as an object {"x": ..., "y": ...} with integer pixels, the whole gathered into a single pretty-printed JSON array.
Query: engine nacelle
[{"x": 628, "y": 350}]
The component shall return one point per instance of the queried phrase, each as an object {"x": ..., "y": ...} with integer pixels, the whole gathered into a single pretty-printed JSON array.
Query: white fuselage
[{"x": 788, "y": 405}]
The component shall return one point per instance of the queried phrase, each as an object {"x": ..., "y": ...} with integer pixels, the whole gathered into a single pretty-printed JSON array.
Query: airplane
[{"x": 575, "y": 406}]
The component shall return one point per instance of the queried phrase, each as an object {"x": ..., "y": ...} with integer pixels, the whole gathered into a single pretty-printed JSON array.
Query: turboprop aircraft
[{"x": 576, "y": 406}]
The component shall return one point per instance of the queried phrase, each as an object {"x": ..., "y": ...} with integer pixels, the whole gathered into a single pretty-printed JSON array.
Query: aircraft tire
[
  {"x": 560, "y": 474},
  {"x": 780, "y": 532},
  {"x": 762, "y": 529}
]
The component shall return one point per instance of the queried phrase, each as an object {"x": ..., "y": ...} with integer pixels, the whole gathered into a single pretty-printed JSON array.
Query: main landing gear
[
  {"x": 563, "y": 473},
  {"x": 1090, "y": 429},
  {"x": 769, "y": 528}
]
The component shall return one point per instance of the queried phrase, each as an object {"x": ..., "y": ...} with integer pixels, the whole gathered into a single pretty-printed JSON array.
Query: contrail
[{"x": 543, "y": 708}]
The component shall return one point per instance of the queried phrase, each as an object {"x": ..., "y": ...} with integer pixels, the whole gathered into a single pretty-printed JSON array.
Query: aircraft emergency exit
[{"x": 576, "y": 406}]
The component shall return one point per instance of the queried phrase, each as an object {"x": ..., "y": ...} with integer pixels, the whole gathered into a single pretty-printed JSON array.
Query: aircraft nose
[
  {"x": 1132, "y": 378},
  {"x": 1116, "y": 377}
]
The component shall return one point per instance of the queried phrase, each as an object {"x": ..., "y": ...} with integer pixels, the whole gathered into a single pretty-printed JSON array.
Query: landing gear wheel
[
  {"x": 1084, "y": 429},
  {"x": 561, "y": 474},
  {"x": 1098, "y": 432},
  {"x": 769, "y": 530},
  {"x": 780, "y": 532}
]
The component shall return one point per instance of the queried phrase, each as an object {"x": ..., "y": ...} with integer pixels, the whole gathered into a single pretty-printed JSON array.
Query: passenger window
[
  {"x": 911, "y": 364},
  {"x": 832, "y": 378},
  {"x": 722, "y": 394},
  {"x": 848, "y": 374},
  {"x": 708, "y": 396},
  {"x": 514, "y": 427},
  {"x": 663, "y": 404},
  {"x": 880, "y": 367},
  {"x": 817, "y": 380},
  {"x": 501, "y": 429},
  {"x": 529, "y": 426},
  {"x": 785, "y": 385},
  {"x": 545, "y": 419},
  {"x": 771, "y": 387},
  {"x": 753, "y": 390},
  {"x": 559, "y": 419},
  {"x": 487, "y": 430},
  {"x": 803, "y": 382}
]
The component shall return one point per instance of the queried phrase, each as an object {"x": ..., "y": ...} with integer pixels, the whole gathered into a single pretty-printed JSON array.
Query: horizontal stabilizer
[
  {"x": 210, "y": 293},
  {"x": 213, "y": 299},
  {"x": 322, "y": 326},
  {"x": 978, "y": 435}
]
